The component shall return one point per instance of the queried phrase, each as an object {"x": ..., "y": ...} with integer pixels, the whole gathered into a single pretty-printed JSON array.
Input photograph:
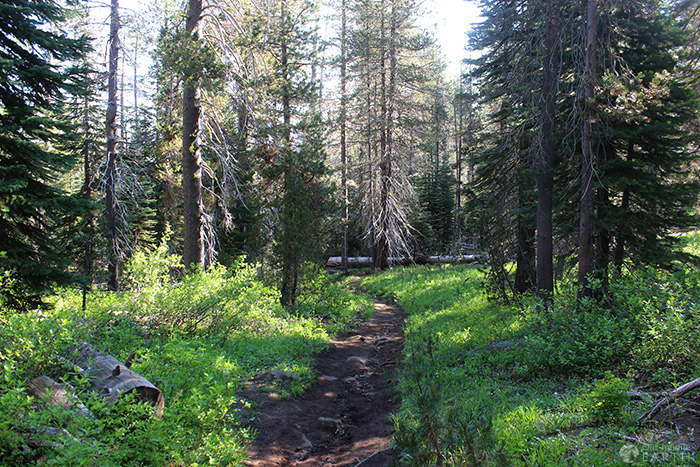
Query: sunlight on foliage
[
  {"x": 198, "y": 338},
  {"x": 487, "y": 384}
]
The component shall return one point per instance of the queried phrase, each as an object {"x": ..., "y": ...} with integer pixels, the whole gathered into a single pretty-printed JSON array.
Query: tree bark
[
  {"x": 525, "y": 273},
  {"x": 343, "y": 142},
  {"x": 193, "y": 210},
  {"x": 87, "y": 195},
  {"x": 459, "y": 123},
  {"x": 387, "y": 156},
  {"x": 586, "y": 253},
  {"x": 290, "y": 260},
  {"x": 619, "y": 252},
  {"x": 111, "y": 131},
  {"x": 382, "y": 247},
  {"x": 47, "y": 392},
  {"x": 545, "y": 182},
  {"x": 112, "y": 379}
]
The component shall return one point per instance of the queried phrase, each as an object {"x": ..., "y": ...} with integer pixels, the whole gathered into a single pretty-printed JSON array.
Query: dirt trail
[{"x": 343, "y": 419}]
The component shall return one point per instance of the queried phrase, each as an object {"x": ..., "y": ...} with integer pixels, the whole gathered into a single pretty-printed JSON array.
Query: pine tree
[
  {"x": 503, "y": 203},
  {"x": 647, "y": 189},
  {"x": 437, "y": 205},
  {"x": 389, "y": 65},
  {"x": 545, "y": 176},
  {"x": 291, "y": 142},
  {"x": 193, "y": 213},
  {"x": 37, "y": 74},
  {"x": 111, "y": 132}
]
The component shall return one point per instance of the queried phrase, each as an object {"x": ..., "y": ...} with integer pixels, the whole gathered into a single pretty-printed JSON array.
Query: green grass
[
  {"x": 199, "y": 339},
  {"x": 550, "y": 393},
  {"x": 553, "y": 395}
]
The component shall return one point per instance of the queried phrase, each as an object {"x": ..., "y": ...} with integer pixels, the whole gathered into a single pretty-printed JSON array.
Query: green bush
[
  {"x": 576, "y": 342},
  {"x": 664, "y": 312},
  {"x": 608, "y": 401},
  {"x": 198, "y": 337},
  {"x": 321, "y": 297},
  {"x": 466, "y": 400}
]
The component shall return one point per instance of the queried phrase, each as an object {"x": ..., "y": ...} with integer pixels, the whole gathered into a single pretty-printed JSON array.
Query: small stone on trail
[
  {"x": 331, "y": 420},
  {"x": 362, "y": 361},
  {"x": 385, "y": 340}
]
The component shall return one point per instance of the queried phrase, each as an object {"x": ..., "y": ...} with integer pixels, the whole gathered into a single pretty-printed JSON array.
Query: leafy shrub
[
  {"x": 576, "y": 342},
  {"x": 197, "y": 338},
  {"x": 608, "y": 400},
  {"x": 320, "y": 296},
  {"x": 664, "y": 311},
  {"x": 149, "y": 268},
  {"x": 465, "y": 402},
  {"x": 130, "y": 434}
]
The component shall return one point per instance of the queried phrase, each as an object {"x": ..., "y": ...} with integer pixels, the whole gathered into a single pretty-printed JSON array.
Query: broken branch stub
[{"x": 112, "y": 379}]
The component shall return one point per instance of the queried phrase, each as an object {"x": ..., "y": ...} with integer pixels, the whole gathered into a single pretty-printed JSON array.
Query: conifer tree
[
  {"x": 503, "y": 203},
  {"x": 647, "y": 189},
  {"x": 111, "y": 132},
  {"x": 389, "y": 63},
  {"x": 38, "y": 72},
  {"x": 291, "y": 143},
  {"x": 193, "y": 213}
]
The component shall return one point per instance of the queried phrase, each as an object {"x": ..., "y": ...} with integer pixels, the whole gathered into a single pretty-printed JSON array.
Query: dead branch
[{"x": 675, "y": 394}]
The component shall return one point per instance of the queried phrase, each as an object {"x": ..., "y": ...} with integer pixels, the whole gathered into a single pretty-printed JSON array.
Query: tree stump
[{"x": 112, "y": 379}]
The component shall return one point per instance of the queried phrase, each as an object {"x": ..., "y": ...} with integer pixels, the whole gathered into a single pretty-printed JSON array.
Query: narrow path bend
[{"x": 343, "y": 419}]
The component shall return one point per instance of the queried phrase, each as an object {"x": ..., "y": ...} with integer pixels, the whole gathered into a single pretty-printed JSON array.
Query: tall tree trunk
[
  {"x": 122, "y": 115},
  {"x": 290, "y": 266},
  {"x": 343, "y": 141},
  {"x": 87, "y": 195},
  {"x": 386, "y": 161},
  {"x": 170, "y": 159},
  {"x": 193, "y": 209},
  {"x": 381, "y": 259},
  {"x": 545, "y": 182},
  {"x": 111, "y": 130},
  {"x": 586, "y": 234},
  {"x": 136, "y": 94},
  {"x": 371, "y": 157},
  {"x": 459, "y": 122},
  {"x": 604, "y": 239},
  {"x": 619, "y": 252},
  {"x": 620, "y": 234},
  {"x": 525, "y": 274}
]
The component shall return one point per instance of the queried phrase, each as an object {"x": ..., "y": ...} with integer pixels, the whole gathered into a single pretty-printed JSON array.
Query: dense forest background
[
  {"x": 172, "y": 180},
  {"x": 569, "y": 139}
]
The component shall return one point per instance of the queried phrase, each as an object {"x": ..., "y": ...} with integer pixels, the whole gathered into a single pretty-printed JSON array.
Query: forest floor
[{"x": 343, "y": 419}]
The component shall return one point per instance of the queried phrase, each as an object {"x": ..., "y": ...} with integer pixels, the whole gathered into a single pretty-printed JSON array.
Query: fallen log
[
  {"x": 112, "y": 379},
  {"x": 49, "y": 393},
  {"x": 366, "y": 261},
  {"x": 672, "y": 396}
]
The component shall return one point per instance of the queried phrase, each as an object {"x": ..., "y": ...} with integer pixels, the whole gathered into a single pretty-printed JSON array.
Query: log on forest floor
[
  {"x": 113, "y": 379},
  {"x": 49, "y": 393},
  {"x": 366, "y": 261}
]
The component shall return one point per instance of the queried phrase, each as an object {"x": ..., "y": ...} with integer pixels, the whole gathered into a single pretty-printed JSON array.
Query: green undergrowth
[
  {"x": 486, "y": 384},
  {"x": 198, "y": 338}
]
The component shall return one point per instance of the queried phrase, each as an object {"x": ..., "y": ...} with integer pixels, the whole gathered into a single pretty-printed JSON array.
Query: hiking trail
[{"x": 343, "y": 418}]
